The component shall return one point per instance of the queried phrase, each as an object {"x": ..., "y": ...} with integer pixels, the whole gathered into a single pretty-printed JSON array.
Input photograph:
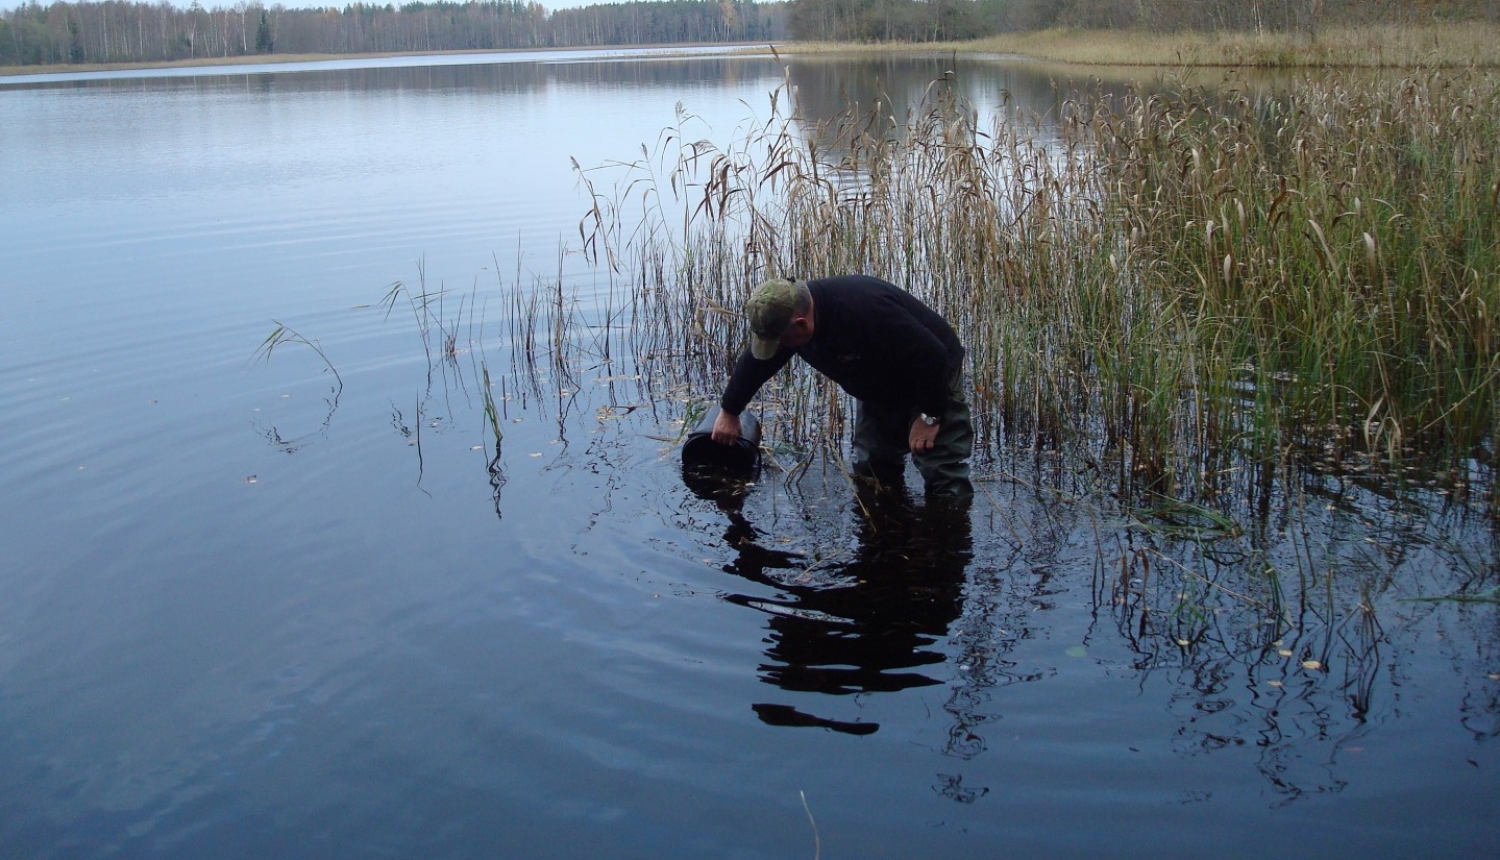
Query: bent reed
[{"x": 1189, "y": 291}]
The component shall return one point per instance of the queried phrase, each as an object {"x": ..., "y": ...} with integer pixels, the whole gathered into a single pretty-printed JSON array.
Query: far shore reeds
[{"x": 1428, "y": 45}]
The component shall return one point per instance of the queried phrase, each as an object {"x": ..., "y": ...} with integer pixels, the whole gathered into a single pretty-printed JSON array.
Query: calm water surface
[{"x": 248, "y": 612}]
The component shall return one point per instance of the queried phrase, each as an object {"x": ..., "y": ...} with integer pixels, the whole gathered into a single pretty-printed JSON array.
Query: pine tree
[{"x": 265, "y": 43}]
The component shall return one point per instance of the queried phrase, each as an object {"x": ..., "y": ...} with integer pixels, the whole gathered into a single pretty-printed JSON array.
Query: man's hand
[
  {"x": 726, "y": 428},
  {"x": 922, "y": 436}
]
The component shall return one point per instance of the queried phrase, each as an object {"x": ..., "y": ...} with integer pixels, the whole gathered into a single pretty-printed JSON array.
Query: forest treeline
[{"x": 116, "y": 31}]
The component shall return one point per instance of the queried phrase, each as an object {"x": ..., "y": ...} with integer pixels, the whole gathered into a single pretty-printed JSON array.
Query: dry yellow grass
[{"x": 1430, "y": 45}]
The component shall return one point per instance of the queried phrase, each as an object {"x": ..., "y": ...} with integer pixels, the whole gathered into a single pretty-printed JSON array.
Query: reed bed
[
  {"x": 1188, "y": 290},
  {"x": 1409, "y": 45}
]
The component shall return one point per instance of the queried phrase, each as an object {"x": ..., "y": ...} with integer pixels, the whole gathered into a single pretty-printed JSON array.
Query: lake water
[{"x": 251, "y": 609}]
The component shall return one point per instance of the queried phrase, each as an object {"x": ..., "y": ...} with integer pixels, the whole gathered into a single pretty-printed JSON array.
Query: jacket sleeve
[{"x": 749, "y": 374}]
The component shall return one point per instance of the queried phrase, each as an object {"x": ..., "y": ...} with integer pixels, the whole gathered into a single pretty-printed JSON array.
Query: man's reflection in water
[{"x": 858, "y": 624}]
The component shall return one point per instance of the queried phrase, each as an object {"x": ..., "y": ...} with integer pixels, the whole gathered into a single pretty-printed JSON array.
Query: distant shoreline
[
  {"x": 1428, "y": 45},
  {"x": 264, "y": 59}
]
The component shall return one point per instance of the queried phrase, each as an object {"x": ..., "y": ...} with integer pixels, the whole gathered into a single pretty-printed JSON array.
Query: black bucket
[{"x": 701, "y": 453}]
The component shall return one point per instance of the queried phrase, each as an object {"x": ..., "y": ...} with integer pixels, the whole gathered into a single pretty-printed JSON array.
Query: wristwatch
[{"x": 928, "y": 419}]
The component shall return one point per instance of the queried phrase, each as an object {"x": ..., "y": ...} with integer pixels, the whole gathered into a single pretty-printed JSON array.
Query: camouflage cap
[{"x": 770, "y": 310}]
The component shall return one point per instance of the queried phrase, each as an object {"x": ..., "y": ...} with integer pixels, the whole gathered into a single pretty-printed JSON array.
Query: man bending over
[{"x": 895, "y": 356}]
